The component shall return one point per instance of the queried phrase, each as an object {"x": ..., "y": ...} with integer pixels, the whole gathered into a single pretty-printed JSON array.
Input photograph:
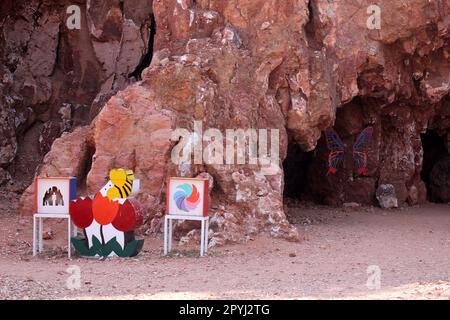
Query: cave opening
[
  {"x": 88, "y": 157},
  {"x": 296, "y": 167},
  {"x": 147, "y": 58},
  {"x": 434, "y": 167}
]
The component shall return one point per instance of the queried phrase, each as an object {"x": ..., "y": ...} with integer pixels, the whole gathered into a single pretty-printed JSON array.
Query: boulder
[{"x": 386, "y": 196}]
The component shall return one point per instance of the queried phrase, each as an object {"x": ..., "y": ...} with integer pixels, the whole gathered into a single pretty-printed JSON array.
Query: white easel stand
[
  {"x": 168, "y": 232},
  {"x": 42, "y": 216}
]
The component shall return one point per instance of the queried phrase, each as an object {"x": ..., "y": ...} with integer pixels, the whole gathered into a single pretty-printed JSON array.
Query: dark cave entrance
[
  {"x": 88, "y": 156},
  {"x": 296, "y": 166},
  {"x": 147, "y": 58},
  {"x": 435, "y": 165}
]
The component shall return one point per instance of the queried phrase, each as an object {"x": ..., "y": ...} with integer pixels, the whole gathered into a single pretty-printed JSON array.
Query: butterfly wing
[
  {"x": 362, "y": 140},
  {"x": 336, "y": 147},
  {"x": 359, "y": 150},
  {"x": 334, "y": 159},
  {"x": 334, "y": 143}
]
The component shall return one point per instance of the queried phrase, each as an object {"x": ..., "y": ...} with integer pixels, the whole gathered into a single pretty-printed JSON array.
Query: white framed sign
[
  {"x": 187, "y": 197},
  {"x": 53, "y": 195}
]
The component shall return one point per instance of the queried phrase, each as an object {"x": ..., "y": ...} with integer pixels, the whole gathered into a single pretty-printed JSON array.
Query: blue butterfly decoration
[{"x": 337, "y": 149}]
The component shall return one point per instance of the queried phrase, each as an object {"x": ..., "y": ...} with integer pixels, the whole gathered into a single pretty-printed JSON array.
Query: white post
[
  {"x": 206, "y": 233},
  {"x": 41, "y": 245},
  {"x": 202, "y": 238},
  {"x": 34, "y": 235},
  {"x": 165, "y": 235},
  {"x": 170, "y": 234},
  {"x": 69, "y": 234}
]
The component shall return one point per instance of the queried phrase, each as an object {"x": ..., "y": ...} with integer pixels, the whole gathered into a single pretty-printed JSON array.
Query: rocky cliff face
[
  {"x": 54, "y": 79},
  {"x": 293, "y": 65}
]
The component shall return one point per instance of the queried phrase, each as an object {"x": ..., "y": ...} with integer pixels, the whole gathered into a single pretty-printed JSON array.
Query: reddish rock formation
[
  {"x": 68, "y": 158},
  {"x": 53, "y": 79},
  {"x": 296, "y": 66}
]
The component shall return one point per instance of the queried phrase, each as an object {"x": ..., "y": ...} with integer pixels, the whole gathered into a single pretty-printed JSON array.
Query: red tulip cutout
[
  {"x": 129, "y": 216},
  {"x": 104, "y": 210},
  {"x": 81, "y": 212}
]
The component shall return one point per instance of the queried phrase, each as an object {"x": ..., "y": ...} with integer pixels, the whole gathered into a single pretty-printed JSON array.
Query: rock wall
[
  {"x": 293, "y": 65},
  {"x": 54, "y": 79}
]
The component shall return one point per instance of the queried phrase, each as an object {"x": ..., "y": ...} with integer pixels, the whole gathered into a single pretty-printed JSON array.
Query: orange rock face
[{"x": 295, "y": 66}]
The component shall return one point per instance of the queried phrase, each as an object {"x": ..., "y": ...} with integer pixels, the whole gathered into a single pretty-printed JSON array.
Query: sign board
[
  {"x": 187, "y": 197},
  {"x": 53, "y": 195}
]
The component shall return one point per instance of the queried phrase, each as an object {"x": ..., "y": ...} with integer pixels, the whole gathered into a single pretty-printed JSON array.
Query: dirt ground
[{"x": 409, "y": 246}]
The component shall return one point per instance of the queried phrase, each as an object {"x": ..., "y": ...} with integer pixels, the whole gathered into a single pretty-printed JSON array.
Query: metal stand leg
[
  {"x": 165, "y": 235},
  {"x": 69, "y": 233},
  {"x": 34, "y": 236},
  {"x": 202, "y": 239},
  {"x": 170, "y": 234},
  {"x": 206, "y": 234},
  {"x": 41, "y": 245}
]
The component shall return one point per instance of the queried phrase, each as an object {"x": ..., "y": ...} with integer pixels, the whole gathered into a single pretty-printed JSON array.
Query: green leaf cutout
[
  {"x": 131, "y": 249},
  {"x": 82, "y": 248}
]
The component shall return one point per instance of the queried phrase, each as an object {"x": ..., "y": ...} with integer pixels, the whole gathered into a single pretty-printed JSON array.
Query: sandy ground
[{"x": 409, "y": 246}]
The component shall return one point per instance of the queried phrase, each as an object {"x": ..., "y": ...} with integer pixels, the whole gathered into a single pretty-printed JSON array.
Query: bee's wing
[{"x": 135, "y": 188}]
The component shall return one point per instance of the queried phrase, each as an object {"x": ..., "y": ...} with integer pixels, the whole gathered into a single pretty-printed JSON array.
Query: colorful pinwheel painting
[
  {"x": 337, "y": 150},
  {"x": 187, "y": 196},
  {"x": 109, "y": 219}
]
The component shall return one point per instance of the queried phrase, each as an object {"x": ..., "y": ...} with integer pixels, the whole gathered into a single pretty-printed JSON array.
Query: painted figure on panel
[
  {"x": 53, "y": 197},
  {"x": 110, "y": 218}
]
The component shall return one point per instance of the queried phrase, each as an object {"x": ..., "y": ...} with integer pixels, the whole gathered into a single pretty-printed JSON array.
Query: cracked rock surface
[{"x": 295, "y": 65}]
